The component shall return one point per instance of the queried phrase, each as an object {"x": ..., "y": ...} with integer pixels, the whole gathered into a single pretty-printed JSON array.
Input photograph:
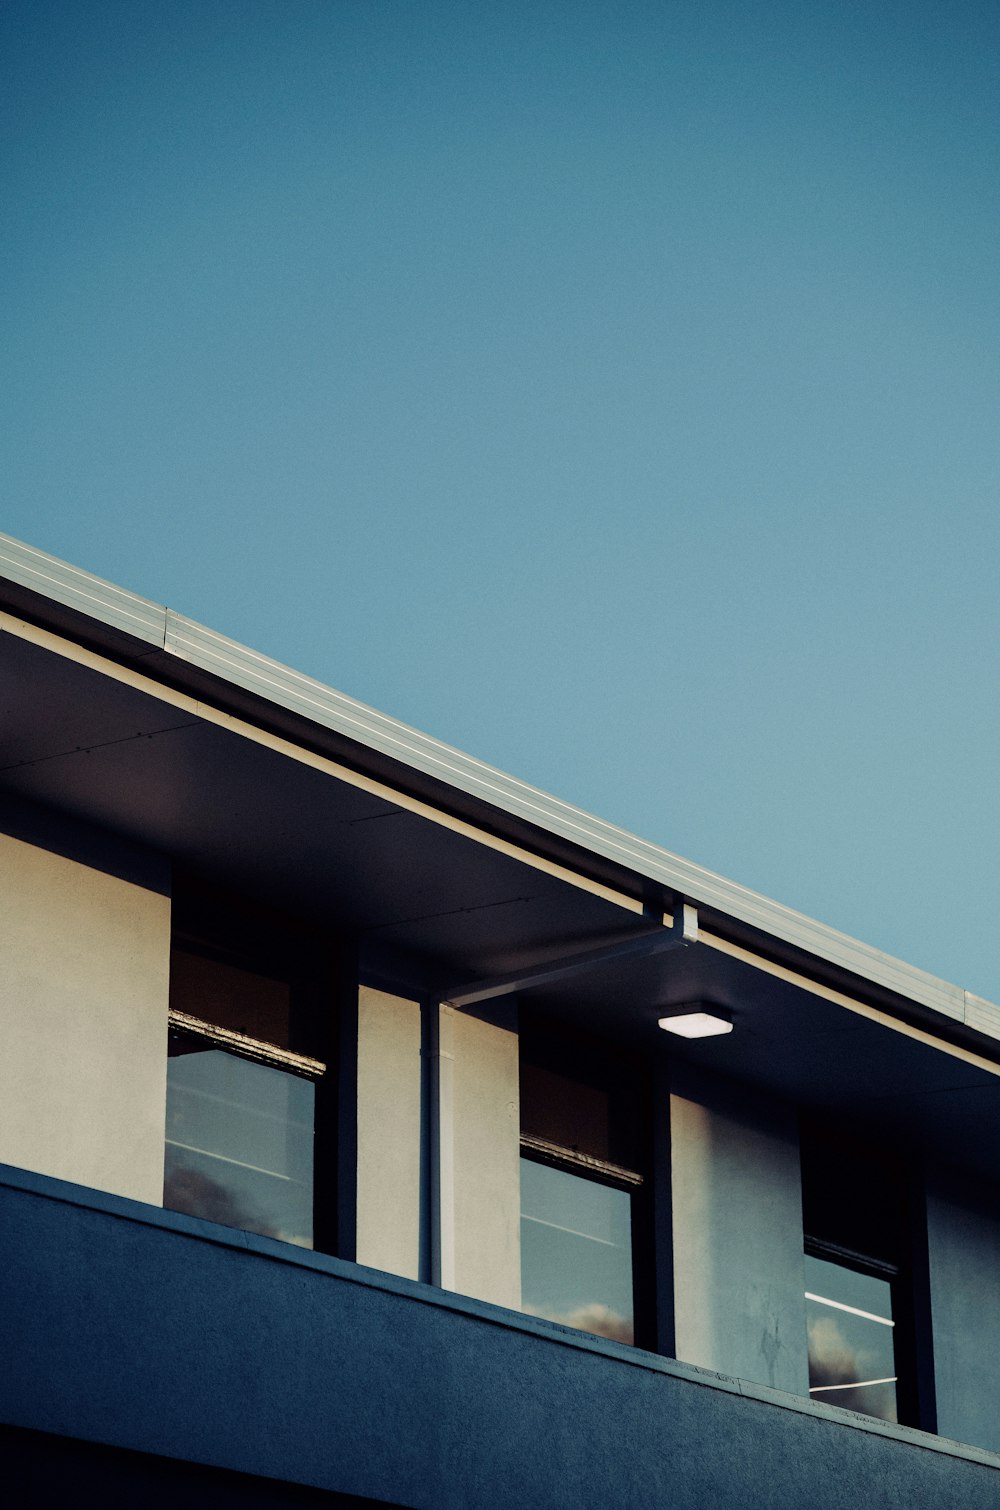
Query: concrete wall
[
  {"x": 963, "y": 1243},
  {"x": 478, "y": 1196},
  {"x": 486, "y": 1152},
  {"x": 84, "y": 959},
  {"x": 125, "y": 1325},
  {"x": 738, "y": 1256},
  {"x": 389, "y": 1133}
]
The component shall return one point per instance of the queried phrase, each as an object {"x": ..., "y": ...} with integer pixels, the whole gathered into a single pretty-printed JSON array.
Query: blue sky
[{"x": 609, "y": 390}]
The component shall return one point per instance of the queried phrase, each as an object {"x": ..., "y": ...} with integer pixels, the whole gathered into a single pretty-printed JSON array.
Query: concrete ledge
[{"x": 129, "y": 1326}]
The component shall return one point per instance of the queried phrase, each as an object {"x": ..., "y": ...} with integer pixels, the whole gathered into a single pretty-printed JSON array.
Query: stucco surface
[
  {"x": 163, "y": 1334},
  {"x": 486, "y": 1153},
  {"x": 84, "y": 961},
  {"x": 389, "y": 1134},
  {"x": 963, "y": 1242},
  {"x": 737, "y": 1216}
]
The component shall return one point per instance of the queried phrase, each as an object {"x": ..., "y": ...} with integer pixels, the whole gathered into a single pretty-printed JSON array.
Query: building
[{"x": 345, "y": 1159}]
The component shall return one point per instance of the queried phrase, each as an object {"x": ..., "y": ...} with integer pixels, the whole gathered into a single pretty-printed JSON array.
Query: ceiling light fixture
[{"x": 693, "y": 1022}]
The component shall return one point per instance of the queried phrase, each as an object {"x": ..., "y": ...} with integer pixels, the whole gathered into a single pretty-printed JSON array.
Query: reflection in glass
[
  {"x": 576, "y": 1251},
  {"x": 239, "y": 1147},
  {"x": 851, "y": 1339}
]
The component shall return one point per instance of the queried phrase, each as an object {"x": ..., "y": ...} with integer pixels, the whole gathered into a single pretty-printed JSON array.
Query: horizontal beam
[{"x": 682, "y": 932}]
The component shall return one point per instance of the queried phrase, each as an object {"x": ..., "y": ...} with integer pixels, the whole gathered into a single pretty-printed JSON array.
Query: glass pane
[
  {"x": 239, "y": 1143},
  {"x": 851, "y": 1339},
  {"x": 576, "y": 1251}
]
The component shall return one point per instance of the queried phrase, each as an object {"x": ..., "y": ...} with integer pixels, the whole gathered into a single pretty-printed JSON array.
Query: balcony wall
[{"x": 161, "y": 1334}]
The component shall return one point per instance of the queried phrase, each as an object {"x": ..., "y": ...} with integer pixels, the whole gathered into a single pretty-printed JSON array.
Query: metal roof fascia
[
  {"x": 79, "y": 590},
  {"x": 291, "y": 690},
  {"x": 981, "y": 1015}
]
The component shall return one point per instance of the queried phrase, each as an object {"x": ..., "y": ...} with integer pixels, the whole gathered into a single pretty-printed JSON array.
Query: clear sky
[{"x": 608, "y": 389}]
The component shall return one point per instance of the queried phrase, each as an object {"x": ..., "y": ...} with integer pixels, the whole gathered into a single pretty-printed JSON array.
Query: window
[
  {"x": 242, "y": 1089},
  {"x": 859, "y": 1310},
  {"x": 582, "y": 1191}
]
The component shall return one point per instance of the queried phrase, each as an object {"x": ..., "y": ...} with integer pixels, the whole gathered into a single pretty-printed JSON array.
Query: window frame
[
  {"x": 590, "y": 1062},
  {"x": 911, "y": 1338},
  {"x": 224, "y": 928},
  {"x": 241, "y": 1044}
]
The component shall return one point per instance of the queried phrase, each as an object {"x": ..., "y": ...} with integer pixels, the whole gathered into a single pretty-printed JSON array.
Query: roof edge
[{"x": 190, "y": 643}]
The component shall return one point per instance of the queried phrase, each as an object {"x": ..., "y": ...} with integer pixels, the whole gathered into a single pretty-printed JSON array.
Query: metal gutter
[
  {"x": 437, "y": 1057},
  {"x": 193, "y": 644},
  {"x": 682, "y": 931},
  {"x": 76, "y": 589}
]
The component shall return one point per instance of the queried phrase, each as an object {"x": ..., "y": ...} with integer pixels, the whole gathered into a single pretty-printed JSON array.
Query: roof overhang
[{"x": 123, "y": 715}]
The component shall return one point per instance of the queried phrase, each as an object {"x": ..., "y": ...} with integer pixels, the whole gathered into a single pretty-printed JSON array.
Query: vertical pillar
[
  {"x": 963, "y": 1250},
  {"x": 487, "y": 1154},
  {"x": 387, "y": 1118},
  {"x": 84, "y": 977},
  {"x": 471, "y": 1068},
  {"x": 739, "y": 1303}
]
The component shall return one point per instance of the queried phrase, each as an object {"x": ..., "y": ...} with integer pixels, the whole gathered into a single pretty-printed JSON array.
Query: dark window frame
[
  {"x": 245, "y": 1047},
  {"x": 228, "y": 929},
  {"x": 902, "y": 1268},
  {"x": 576, "y": 1057}
]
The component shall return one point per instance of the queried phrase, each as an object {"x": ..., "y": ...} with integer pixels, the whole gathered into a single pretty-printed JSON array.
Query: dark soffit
[{"x": 189, "y": 657}]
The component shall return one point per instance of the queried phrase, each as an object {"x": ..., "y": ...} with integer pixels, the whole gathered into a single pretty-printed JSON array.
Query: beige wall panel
[
  {"x": 737, "y": 1220},
  {"x": 389, "y": 1182},
  {"x": 963, "y": 1250},
  {"x": 486, "y": 1144},
  {"x": 84, "y": 961}
]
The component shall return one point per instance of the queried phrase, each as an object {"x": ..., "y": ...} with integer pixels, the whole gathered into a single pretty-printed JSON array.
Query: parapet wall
[{"x": 126, "y": 1325}]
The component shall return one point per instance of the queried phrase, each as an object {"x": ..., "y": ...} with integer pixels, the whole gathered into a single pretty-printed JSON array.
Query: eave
[{"x": 124, "y": 714}]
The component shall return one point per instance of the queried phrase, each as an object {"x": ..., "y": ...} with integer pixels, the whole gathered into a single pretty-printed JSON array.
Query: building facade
[{"x": 378, "y": 1129}]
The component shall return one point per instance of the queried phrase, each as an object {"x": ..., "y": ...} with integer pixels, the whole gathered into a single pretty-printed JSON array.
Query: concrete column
[
  {"x": 463, "y": 1078},
  {"x": 486, "y": 1132},
  {"x": 963, "y": 1251},
  {"x": 389, "y": 1133},
  {"x": 737, "y": 1223},
  {"x": 84, "y": 964}
]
